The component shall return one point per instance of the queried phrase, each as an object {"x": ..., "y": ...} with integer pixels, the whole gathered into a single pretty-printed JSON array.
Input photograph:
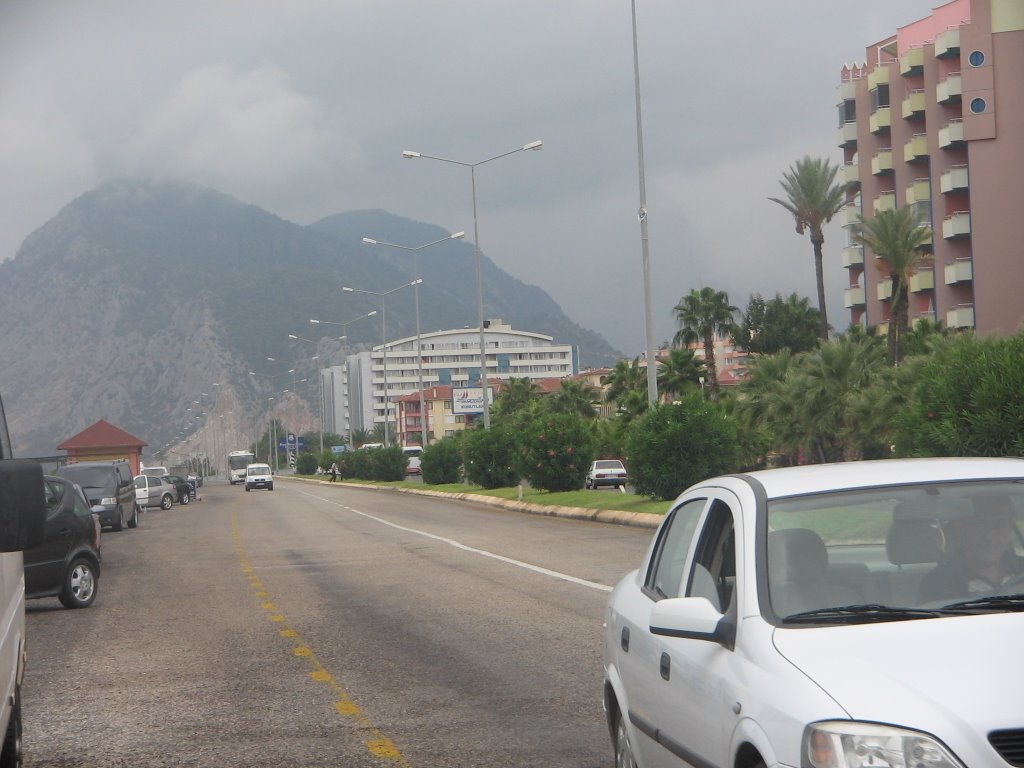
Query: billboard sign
[{"x": 470, "y": 399}]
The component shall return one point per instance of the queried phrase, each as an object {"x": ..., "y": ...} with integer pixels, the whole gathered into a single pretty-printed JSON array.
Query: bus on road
[{"x": 237, "y": 462}]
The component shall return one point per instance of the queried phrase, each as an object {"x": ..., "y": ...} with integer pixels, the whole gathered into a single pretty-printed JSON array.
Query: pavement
[{"x": 613, "y": 516}]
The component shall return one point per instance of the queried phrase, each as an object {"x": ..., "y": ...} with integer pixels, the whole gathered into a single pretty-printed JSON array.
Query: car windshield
[
  {"x": 88, "y": 477},
  {"x": 607, "y": 465},
  {"x": 258, "y": 469},
  {"x": 870, "y": 555}
]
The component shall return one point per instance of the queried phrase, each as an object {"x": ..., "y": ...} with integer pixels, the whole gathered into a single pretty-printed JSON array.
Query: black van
[{"x": 107, "y": 484}]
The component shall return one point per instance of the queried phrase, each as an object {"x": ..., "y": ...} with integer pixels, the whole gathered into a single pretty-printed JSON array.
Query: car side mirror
[
  {"x": 22, "y": 505},
  {"x": 692, "y": 618}
]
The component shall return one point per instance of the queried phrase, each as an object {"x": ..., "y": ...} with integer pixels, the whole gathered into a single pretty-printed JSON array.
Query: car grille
[{"x": 1009, "y": 744}]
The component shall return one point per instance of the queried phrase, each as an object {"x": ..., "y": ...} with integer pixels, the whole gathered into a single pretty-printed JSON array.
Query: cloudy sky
[{"x": 304, "y": 108}]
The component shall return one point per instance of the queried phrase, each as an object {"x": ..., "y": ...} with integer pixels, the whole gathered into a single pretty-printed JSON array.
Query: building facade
[
  {"x": 934, "y": 119},
  {"x": 448, "y": 358}
]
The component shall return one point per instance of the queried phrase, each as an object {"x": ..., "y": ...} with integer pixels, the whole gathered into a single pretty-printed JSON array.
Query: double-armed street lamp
[
  {"x": 416, "y": 291},
  {"x": 317, "y": 357},
  {"x": 343, "y": 326},
  {"x": 384, "y": 338},
  {"x": 409, "y": 154}
]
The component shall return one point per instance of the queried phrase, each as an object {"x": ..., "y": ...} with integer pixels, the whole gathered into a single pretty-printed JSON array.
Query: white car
[
  {"x": 609, "y": 472},
  {"x": 258, "y": 476},
  {"x": 832, "y": 616},
  {"x": 153, "y": 491}
]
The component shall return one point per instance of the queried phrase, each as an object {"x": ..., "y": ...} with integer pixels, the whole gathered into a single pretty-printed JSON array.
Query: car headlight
[
  {"x": 847, "y": 744},
  {"x": 108, "y": 502}
]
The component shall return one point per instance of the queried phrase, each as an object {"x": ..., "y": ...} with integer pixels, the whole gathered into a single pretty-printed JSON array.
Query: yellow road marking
[{"x": 378, "y": 745}]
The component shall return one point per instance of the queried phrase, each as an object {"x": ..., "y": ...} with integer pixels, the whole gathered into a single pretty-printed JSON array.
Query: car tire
[
  {"x": 119, "y": 525},
  {"x": 166, "y": 501},
  {"x": 270, "y": 487},
  {"x": 185, "y": 499},
  {"x": 247, "y": 488},
  {"x": 623, "y": 749},
  {"x": 133, "y": 522},
  {"x": 80, "y": 584},
  {"x": 13, "y": 754}
]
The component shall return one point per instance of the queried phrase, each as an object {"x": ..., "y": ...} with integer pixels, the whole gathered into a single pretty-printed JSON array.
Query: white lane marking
[{"x": 467, "y": 548}]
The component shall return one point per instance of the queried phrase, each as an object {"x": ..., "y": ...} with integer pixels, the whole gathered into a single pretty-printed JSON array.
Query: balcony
[
  {"x": 880, "y": 120},
  {"x": 881, "y": 162},
  {"x": 961, "y": 317},
  {"x": 853, "y": 256},
  {"x": 884, "y": 289},
  {"x": 879, "y": 76},
  {"x": 919, "y": 191},
  {"x": 912, "y": 62},
  {"x": 916, "y": 150},
  {"x": 950, "y": 89},
  {"x": 947, "y": 44},
  {"x": 955, "y": 179},
  {"x": 923, "y": 281},
  {"x": 886, "y": 201},
  {"x": 853, "y": 297},
  {"x": 913, "y": 106},
  {"x": 847, "y": 135},
  {"x": 960, "y": 271},
  {"x": 951, "y": 134},
  {"x": 850, "y": 173},
  {"x": 849, "y": 215},
  {"x": 957, "y": 225},
  {"x": 846, "y": 92}
]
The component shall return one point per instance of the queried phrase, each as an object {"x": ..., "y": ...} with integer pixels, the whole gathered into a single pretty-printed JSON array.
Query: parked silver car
[{"x": 154, "y": 492}]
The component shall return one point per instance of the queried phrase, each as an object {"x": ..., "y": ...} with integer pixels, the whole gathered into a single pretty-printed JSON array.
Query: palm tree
[
  {"x": 575, "y": 397},
  {"x": 701, "y": 316},
  {"x": 813, "y": 197},
  {"x": 679, "y": 371},
  {"x": 623, "y": 380},
  {"x": 361, "y": 437},
  {"x": 515, "y": 395},
  {"x": 897, "y": 238}
]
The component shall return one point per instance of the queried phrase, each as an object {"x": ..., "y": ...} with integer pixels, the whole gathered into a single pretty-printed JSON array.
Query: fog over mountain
[{"x": 139, "y": 297}]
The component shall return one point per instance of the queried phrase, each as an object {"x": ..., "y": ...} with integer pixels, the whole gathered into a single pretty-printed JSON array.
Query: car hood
[{"x": 936, "y": 675}]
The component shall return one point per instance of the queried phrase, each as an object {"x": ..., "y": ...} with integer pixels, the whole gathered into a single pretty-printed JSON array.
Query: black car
[
  {"x": 67, "y": 563},
  {"x": 184, "y": 488},
  {"x": 107, "y": 484}
]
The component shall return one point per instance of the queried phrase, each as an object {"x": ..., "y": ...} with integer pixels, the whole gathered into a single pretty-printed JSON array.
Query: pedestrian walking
[{"x": 334, "y": 471}]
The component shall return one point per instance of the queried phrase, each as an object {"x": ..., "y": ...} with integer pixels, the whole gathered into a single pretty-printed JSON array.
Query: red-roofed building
[{"x": 104, "y": 442}]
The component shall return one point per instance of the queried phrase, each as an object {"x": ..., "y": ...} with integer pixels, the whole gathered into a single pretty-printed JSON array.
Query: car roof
[{"x": 818, "y": 478}]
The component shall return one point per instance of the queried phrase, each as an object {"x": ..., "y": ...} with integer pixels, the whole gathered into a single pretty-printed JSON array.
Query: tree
[
  {"x": 361, "y": 437},
  {"x": 574, "y": 397},
  {"x": 813, "y": 197},
  {"x": 771, "y": 326},
  {"x": 555, "y": 451},
  {"x": 679, "y": 372},
  {"x": 515, "y": 395},
  {"x": 627, "y": 387},
  {"x": 489, "y": 455},
  {"x": 701, "y": 316},
  {"x": 896, "y": 237}
]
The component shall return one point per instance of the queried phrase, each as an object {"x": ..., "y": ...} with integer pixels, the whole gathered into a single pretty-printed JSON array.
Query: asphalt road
[{"x": 318, "y": 625}]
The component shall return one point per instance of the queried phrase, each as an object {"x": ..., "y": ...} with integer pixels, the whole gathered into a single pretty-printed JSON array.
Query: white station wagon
[{"x": 862, "y": 615}]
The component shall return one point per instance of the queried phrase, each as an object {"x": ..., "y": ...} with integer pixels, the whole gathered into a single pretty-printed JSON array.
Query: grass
[{"x": 603, "y": 499}]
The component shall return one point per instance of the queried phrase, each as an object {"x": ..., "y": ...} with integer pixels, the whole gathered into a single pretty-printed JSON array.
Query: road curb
[{"x": 613, "y": 516}]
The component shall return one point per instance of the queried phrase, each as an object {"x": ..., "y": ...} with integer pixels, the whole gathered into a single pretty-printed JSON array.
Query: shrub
[
  {"x": 441, "y": 463},
  {"x": 674, "y": 446},
  {"x": 555, "y": 451},
  {"x": 489, "y": 455},
  {"x": 306, "y": 464},
  {"x": 387, "y": 464}
]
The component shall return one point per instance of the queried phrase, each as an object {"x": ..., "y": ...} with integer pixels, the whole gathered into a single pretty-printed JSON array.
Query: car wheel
[
  {"x": 185, "y": 499},
  {"x": 247, "y": 488},
  {"x": 166, "y": 501},
  {"x": 80, "y": 584},
  {"x": 13, "y": 755},
  {"x": 270, "y": 487},
  {"x": 134, "y": 521},
  {"x": 623, "y": 749},
  {"x": 119, "y": 525}
]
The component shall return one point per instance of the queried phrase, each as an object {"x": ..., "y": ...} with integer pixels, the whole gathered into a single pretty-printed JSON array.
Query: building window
[
  {"x": 879, "y": 97},
  {"x": 978, "y": 106},
  {"x": 976, "y": 58}
]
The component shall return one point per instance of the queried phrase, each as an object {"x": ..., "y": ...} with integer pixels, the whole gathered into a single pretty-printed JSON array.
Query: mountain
[{"x": 140, "y": 298}]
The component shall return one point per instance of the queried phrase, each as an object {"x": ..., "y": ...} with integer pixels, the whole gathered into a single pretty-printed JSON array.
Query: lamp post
[
  {"x": 652, "y": 373},
  {"x": 273, "y": 376},
  {"x": 317, "y": 357},
  {"x": 419, "y": 339},
  {"x": 408, "y": 154},
  {"x": 343, "y": 325},
  {"x": 384, "y": 339}
]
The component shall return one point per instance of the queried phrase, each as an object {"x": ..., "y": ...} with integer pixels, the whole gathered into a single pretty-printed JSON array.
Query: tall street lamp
[
  {"x": 343, "y": 325},
  {"x": 408, "y": 154},
  {"x": 384, "y": 339},
  {"x": 317, "y": 357},
  {"x": 419, "y": 340}
]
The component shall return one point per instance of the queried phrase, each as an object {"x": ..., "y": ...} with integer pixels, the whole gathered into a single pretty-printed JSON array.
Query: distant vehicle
[
  {"x": 259, "y": 476},
  {"x": 153, "y": 492},
  {"x": 413, "y": 453},
  {"x": 370, "y": 446},
  {"x": 237, "y": 462},
  {"x": 154, "y": 471},
  {"x": 108, "y": 485},
  {"x": 607, "y": 472},
  {"x": 182, "y": 488},
  {"x": 67, "y": 564}
]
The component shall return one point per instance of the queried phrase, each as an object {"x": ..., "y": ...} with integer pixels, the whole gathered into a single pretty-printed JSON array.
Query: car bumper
[{"x": 597, "y": 482}]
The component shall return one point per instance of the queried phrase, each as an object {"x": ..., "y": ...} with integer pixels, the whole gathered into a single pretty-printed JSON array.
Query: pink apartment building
[{"x": 935, "y": 119}]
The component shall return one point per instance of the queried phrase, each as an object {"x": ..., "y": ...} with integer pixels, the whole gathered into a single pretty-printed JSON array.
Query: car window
[
  {"x": 714, "y": 570},
  {"x": 607, "y": 464},
  {"x": 665, "y": 575},
  {"x": 82, "y": 508},
  {"x": 52, "y": 493}
]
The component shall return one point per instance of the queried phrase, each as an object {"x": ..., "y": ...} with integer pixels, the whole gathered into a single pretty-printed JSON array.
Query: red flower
[
  {"x": 569, "y": 450},
  {"x": 551, "y": 453}
]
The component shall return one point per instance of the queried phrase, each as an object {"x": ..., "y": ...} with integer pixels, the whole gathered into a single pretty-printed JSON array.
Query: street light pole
[
  {"x": 343, "y": 325},
  {"x": 408, "y": 154},
  {"x": 384, "y": 340},
  {"x": 419, "y": 338}
]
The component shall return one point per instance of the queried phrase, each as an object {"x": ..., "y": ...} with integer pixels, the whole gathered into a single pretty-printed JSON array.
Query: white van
[{"x": 412, "y": 453}]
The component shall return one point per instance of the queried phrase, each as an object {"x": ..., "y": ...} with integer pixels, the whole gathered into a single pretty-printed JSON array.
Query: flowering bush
[
  {"x": 555, "y": 451},
  {"x": 489, "y": 455}
]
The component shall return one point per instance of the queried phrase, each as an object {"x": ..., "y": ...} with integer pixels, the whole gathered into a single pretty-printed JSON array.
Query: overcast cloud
[{"x": 304, "y": 108}]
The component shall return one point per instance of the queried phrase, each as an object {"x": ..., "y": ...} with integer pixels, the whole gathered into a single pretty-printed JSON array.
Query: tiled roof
[{"x": 102, "y": 434}]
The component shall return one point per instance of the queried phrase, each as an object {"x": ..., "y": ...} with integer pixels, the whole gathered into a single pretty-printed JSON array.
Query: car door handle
[
  {"x": 624, "y": 642},
  {"x": 666, "y": 666}
]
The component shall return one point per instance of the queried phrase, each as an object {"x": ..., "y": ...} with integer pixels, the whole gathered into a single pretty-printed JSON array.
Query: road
[{"x": 318, "y": 625}]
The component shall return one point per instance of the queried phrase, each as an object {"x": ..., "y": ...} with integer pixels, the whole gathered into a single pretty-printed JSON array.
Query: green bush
[
  {"x": 555, "y": 451},
  {"x": 306, "y": 464},
  {"x": 489, "y": 455},
  {"x": 387, "y": 464},
  {"x": 674, "y": 446},
  {"x": 441, "y": 463}
]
